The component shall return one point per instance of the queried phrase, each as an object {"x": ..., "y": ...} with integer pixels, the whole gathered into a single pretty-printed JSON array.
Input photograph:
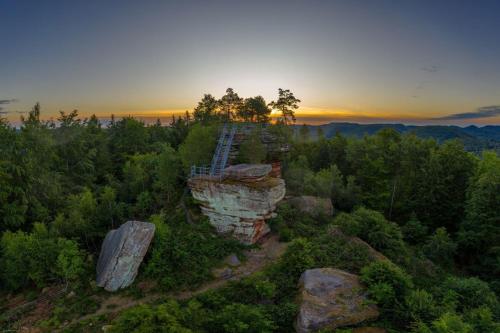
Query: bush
[
  {"x": 242, "y": 318},
  {"x": 414, "y": 231},
  {"x": 420, "y": 306},
  {"x": 252, "y": 150},
  {"x": 465, "y": 294},
  {"x": 199, "y": 145},
  {"x": 388, "y": 285},
  {"x": 184, "y": 254},
  {"x": 372, "y": 227},
  {"x": 440, "y": 248},
  {"x": 167, "y": 317},
  {"x": 38, "y": 258},
  {"x": 451, "y": 323}
]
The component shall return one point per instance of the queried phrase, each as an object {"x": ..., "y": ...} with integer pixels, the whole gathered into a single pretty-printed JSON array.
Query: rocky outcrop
[
  {"x": 239, "y": 207},
  {"x": 312, "y": 205},
  {"x": 247, "y": 172},
  {"x": 331, "y": 298},
  {"x": 372, "y": 253},
  {"x": 121, "y": 254}
]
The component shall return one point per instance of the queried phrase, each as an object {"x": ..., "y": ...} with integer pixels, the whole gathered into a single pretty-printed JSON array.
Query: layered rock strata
[{"x": 240, "y": 204}]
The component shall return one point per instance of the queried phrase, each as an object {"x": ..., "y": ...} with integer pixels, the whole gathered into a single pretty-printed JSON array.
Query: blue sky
[{"x": 367, "y": 61}]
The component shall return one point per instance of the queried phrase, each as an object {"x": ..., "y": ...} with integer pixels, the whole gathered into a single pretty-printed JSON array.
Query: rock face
[
  {"x": 312, "y": 205},
  {"x": 372, "y": 253},
  {"x": 331, "y": 298},
  {"x": 121, "y": 254},
  {"x": 239, "y": 207},
  {"x": 247, "y": 172}
]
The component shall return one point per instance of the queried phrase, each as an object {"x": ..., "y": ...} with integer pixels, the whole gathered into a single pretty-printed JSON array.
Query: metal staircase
[{"x": 219, "y": 160}]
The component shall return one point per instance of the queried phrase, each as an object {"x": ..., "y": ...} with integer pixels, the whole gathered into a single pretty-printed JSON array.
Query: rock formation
[
  {"x": 331, "y": 298},
  {"x": 373, "y": 254},
  {"x": 312, "y": 205},
  {"x": 241, "y": 202},
  {"x": 121, "y": 254}
]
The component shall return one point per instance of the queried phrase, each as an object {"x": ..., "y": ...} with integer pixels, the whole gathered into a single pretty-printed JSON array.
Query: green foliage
[
  {"x": 182, "y": 254},
  {"x": 464, "y": 294},
  {"x": 286, "y": 104},
  {"x": 440, "y": 248},
  {"x": 388, "y": 285},
  {"x": 253, "y": 150},
  {"x": 451, "y": 323},
  {"x": 241, "y": 318},
  {"x": 198, "y": 147},
  {"x": 167, "y": 317},
  {"x": 414, "y": 232},
  {"x": 479, "y": 236},
  {"x": 254, "y": 109},
  {"x": 38, "y": 258},
  {"x": 372, "y": 227},
  {"x": 420, "y": 306}
]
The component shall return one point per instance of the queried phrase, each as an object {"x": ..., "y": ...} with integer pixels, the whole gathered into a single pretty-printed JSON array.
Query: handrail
[
  {"x": 228, "y": 147},
  {"x": 220, "y": 157},
  {"x": 220, "y": 143}
]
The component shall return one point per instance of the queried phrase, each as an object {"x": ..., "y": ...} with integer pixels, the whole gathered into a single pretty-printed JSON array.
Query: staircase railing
[
  {"x": 218, "y": 150},
  {"x": 220, "y": 157},
  {"x": 228, "y": 148}
]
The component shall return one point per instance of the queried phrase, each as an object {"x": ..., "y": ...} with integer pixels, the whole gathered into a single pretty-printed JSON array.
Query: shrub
[
  {"x": 37, "y": 258},
  {"x": 236, "y": 318},
  {"x": 252, "y": 150},
  {"x": 372, "y": 227},
  {"x": 451, "y": 323},
  {"x": 183, "y": 254},
  {"x": 387, "y": 284},
  {"x": 465, "y": 294},
  {"x": 420, "y": 306},
  {"x": 167, "y": 317},
  {"x": 440, "y": 248}
]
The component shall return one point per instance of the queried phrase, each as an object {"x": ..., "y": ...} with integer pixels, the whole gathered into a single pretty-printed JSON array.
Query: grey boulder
[
  {"x": 331, "y": 298},
  {"x": 121, "y": 254}
]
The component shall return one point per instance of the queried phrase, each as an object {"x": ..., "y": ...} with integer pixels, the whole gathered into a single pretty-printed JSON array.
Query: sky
[{"x": 414, "y": 62}]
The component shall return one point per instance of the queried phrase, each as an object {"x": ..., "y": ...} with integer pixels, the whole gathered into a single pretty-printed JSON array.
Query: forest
[{"x": 432, "y": 208}]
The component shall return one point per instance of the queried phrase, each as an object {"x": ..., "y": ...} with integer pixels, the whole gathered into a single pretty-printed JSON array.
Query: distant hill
[{"x": 475, "y": 139}]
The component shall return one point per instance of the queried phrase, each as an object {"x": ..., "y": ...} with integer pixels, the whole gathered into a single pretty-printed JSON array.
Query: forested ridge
[{"x": 432, "y": 208}]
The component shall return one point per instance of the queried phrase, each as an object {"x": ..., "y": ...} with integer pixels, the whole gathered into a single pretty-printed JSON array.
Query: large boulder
[
  {"x": 312, "y": 205},
  {"x": 331, "y": 298},
  {"x": 121, "y": 254}
]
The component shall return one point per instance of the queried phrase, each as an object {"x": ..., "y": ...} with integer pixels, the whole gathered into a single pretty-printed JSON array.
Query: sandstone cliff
[{"x": 239, "y": 206}]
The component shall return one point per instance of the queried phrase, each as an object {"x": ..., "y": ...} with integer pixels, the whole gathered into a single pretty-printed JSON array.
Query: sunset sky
[{"x": 416, "y": 62}]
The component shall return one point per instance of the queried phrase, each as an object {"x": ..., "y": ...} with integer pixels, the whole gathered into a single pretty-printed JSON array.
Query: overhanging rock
[
  {"x": 239, "y": 207},
  {"x": 121, "y": 254}
]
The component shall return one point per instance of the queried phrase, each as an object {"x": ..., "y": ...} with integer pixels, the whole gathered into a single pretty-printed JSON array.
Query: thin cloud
[
  {"x": 430, "y": 69},
  {"x": 8, "y": 101},
  {"x": 482, "y": 112}
]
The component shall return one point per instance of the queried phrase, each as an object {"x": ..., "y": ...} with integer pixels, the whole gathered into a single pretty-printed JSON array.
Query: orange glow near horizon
[{"x": 304, "y": 115}]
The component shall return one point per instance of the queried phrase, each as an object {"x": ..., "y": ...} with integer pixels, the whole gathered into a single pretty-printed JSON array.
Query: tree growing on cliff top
[
  {"x": 287, "y": 103},
  {"x": 229, "y": 104},
  {"x": 254, "y": 109}
]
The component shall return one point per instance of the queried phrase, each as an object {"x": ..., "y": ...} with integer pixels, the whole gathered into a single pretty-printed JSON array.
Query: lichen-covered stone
[
  {"x": 331, "y": 298},
  {"x": 121, "y": 254},
  {"x": 238, "y": 207},
  {"x": 248, "y": 172}
]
